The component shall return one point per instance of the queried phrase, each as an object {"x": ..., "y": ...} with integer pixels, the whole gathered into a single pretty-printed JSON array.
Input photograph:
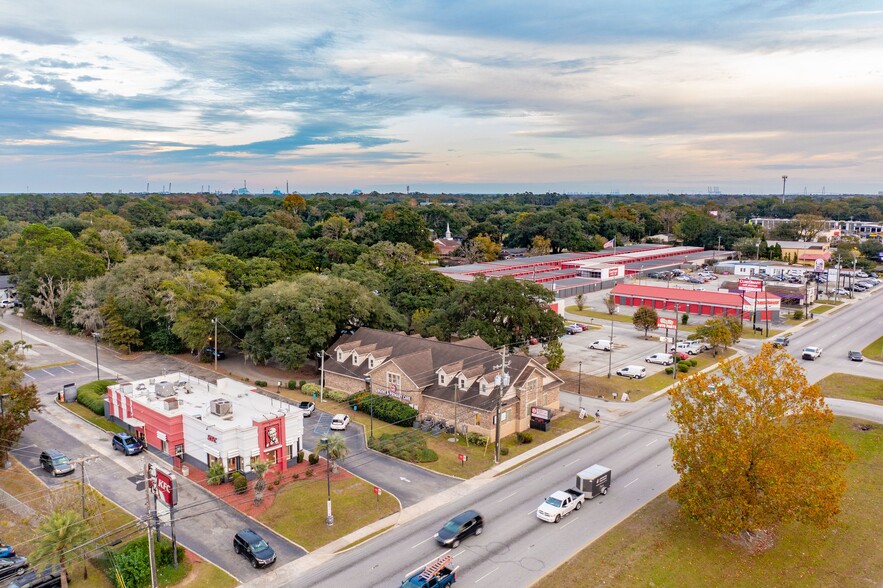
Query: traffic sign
[{"x": 666, "y": 340}]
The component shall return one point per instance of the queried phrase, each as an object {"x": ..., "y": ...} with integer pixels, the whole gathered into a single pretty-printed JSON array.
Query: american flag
[{"x": 609, "y": 244}]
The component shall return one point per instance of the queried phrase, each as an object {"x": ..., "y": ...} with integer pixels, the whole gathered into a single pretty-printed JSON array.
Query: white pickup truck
[
  {"x": 589, "y": 483},
  {"x": 811, "y": 353}
]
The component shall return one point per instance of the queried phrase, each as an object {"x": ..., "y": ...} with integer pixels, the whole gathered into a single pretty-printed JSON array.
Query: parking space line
[{"x": 65, "y": 369}]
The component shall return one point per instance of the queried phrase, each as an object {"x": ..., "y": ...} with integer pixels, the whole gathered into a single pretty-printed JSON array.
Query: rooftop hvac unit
[
  {"x": 170, "y": 403},
  {"x": 164, "y": 389},
  {"x": 221, "y": 407}
]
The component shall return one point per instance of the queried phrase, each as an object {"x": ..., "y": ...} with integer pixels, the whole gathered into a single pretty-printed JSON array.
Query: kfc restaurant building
[{"x": 188, "y": 420}]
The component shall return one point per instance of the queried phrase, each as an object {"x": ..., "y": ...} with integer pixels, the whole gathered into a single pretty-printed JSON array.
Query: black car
[
  {"x": 855, "y": 356},
  {"x": 12, "y": 566},
  {"x": 458, "y": 528},
  {"x": 252, "y": 545},
  {"x": 211, "y": 353},
  {"x": 781, "y": 341},
  {"x": 47, "y": 578},
  {"x": 56, "y": 463}
]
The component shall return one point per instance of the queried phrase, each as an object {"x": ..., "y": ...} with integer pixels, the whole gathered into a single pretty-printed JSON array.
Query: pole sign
[
  {"x": 377, "y": 490},
  {"x": 666, "y": 322},
  {"x": 750, "y": 285},
  {"x": 461, "y": 457},
  {"x": 164, "y": 485},
  {"x": 543, "y": 414}
]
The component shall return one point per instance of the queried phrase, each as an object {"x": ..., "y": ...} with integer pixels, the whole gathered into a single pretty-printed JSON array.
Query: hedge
[
  {"x": 385, "y": 408},
  {"x": 91, "y": 395}
]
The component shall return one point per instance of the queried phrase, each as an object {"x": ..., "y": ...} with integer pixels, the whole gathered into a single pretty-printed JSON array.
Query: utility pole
[
  {"x": 153, "y": 580},
  {"x": 784, "y": 179},
  {"x": 610, "y": 353},
  {"x": 97, "y": 336},
  {"x": 215, "y": 321},
  {"x": 322, "y": 376},
  {"x": 82, "y": 463},
  {"x": 579, "y": 385},
  {"x": 502, "y": 380},
  {"x": 674, "y": 366}
]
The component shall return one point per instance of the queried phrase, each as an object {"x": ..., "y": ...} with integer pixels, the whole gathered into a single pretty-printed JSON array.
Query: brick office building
[{"x": 454, "y": 382}]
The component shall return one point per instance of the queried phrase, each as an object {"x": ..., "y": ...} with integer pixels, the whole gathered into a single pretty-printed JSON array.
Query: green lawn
[
  {"x": 829, "y": 302},
  {"x": 851, "y": 387},
  {"x": 874, "y": 350},
  {"x": 822, "y": 308},
  {"x": 98, "y": 421},
  {"x": 602, "y": 387},
  {"x": 656, "y": 547},
  {"x": 298, "y": 511}
]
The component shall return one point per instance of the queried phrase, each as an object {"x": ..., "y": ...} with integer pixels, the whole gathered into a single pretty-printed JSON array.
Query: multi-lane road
[{"x": 516, "y": 548}]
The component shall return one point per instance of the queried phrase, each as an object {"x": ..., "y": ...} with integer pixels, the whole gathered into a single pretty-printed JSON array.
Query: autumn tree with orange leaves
[{"x": 754, "y": 449}]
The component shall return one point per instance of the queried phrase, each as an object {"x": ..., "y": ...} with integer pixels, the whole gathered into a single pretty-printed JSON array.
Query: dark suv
[
  {"x": 127, "y": 444},
  {"x": 254, "y": 547},
  {"x": 46, "y": 578},
  {"x": 458, "y": 528},
  {"x": 56, "y": 463}
]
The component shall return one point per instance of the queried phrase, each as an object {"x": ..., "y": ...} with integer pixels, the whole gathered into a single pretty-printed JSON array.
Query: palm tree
[
  {"x": 336, "y": 450},
  {"x": 59, "y": 533},
  {"x": 260, "y": 468}
]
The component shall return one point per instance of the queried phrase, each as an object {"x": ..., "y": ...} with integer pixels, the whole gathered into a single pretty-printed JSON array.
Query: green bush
[
  {"x": 215, "y": 474},
  {"x": 334, "y": 395},
  {"x": 292, "y": 385},
  {"x": 693, "y": 362},
  {"x": 684, "y": 318},
  {"x": 309, "y": 473},
  {"x": 386, "y": 409},
  {"x": 798, "y": 315},
  {"x": 133, "y": 562},
  {"x": 504, "y": 451},
  {"x": 314, "y": 458},
  {"x": 240, "y": 483},
  {"x": 524, "y": 437},
  {"x": 302, "y": 382},
  {"x": 476, "y": 439},
  {"x": 91, "y": 395},
  {"x": 407, "y": 446},
  {"x": 669, "y": 370},
  {"x": 683, "y": 367},
  {"x": 300, "y": 456},
  {"x": 260, "y": 383},
  {"x": 311, "y": 389}
]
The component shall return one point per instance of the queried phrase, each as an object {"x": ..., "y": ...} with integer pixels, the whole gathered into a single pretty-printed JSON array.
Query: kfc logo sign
[
  {"x": 271, "y": 438},
  {"x": 164, "y": 487}
]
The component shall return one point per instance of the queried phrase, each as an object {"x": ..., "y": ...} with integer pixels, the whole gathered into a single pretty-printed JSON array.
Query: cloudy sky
[{"x": 450, "y": 95}]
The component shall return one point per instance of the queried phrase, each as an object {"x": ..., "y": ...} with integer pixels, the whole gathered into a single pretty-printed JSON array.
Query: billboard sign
[
  {"x": 819, "y": 265},
  {"x": 164, "y": 486},
  {"x": 750, "y": 285},
  {"x": 613, "y": 272},
  {"x": 664, "y": 322},
  {"x": 537, "y": 412}
]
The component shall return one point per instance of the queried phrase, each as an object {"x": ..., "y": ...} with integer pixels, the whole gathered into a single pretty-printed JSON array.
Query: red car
[{"x": 680, "y": 355}]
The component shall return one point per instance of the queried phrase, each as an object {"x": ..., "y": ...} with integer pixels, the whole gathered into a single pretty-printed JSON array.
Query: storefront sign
[
  {"x": 750, "y": 285},
  {"x": 212, "y": 438},
  {"x": 392, "y": 393},
  {"x": 613, "y": 272},
  {"x": 538, "y": 412},
  {"x": 666, "y": 322},
  {"x": 163, "y": 485}
]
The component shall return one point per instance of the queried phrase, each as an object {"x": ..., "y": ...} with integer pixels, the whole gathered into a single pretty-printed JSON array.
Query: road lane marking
[
  {"x": 568, "y": 522},
  {"x": 508, "y": 497},
  {"x": 651, "y": 443},
  {"x": 30, "y": 376},
  {"x": 533, "y": 511},
  {"x": 422, "y": 542},
  {"x": 486, "y": 575},
  {"x": 65, "y": 369},
  {"x": 47, "y": 371},
  {"x": 572, "y": 462},
  {"x": 403, "y": 479},
  {"x": 630, "y": 483},
  {"x": 461, "y": 552}
]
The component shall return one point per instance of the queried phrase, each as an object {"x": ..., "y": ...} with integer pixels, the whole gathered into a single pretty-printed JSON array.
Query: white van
[
  {"x": 602, "y": 344},
  {"x": 690, "y": 347},
  {"x": 632, "y": 371},
  {"x": 662, "y": 358}
]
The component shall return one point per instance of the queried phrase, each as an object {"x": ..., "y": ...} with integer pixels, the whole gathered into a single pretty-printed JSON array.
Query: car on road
[
  {"x": 781, "y": 341},
  {"x": 572, "y": 330},
  {"x": 254, "y": 548},
  {"x": 127, "y": 444},
  {"x": 632, "y": 371},
  {"x": 661, "y": 358},
  {"x": 56, "y": 463},
  {"x": 13, "y": 566},
  {"x": 339, "y": 422},
  {"x": 855, "y": 356},
  {"x": 308, "y": 407},
  {"x": 602, "y": 344},
  {"x": 811, "y": 353},
  {"x": 9, "y": 303},
  {"x": 841, "y": 291},
  {"x": 438, "y": 573},
  {"x": 458, "y": 528},
  {"x": 211, "y": 353}
]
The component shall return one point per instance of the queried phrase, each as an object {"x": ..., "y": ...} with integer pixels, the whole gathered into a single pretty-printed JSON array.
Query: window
[
  {"x": 355, "y": 358},
  {"x": 339, "y": 355},
  {"x": 442, "y": 380},
  {"x": 179, "y": 449},
  {"x": 290, "y": 452},
  {"x": 164, "y": 445},
  {"x": 482, "y": 387},
  {"x": 462, "y": 383},
  {"x": 393, "y": 379},
  {"x": 504, "y": 416},
  {"x": 370, "y": 363}
]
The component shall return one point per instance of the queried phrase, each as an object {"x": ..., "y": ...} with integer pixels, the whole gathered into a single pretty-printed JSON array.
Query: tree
[
  {"x": 610, "y": 303},
  {"x": 753, "y": 449},
  {"x": 481, "y": 248},
  {"x": 400, "y": 224},
  {"x": 259, "y": 467},
  {"x": 294, "y": 204},
  {"x": 337, "y": 450},
  {"x": 51, "y": 292},
  {"x": 60, "y": 533},
  {"x": 22, "y": 399},
  {"x": 539, "y": 245},
  {"x": 580, "y": 301},
  {"x": 645, "y": 319},
  {"x": 808, "y": 226},
  {"x": 193, "y": 299},
  {"x": 336, "y": 227},
  {"x": 554, "y": 353},
  {"x": 719, "y": 333}
]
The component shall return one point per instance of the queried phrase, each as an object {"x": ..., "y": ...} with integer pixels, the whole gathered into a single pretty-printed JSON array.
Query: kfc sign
[{"x": 163, "y": 485}]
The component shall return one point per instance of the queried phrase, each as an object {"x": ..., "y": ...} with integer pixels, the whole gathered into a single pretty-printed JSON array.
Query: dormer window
[
  {"x": 482, "y": 387},
  {"x": 355, "y": 358},
  {"x": 370, "y": 363},
  {"x": 442, "y": 380},
  {"x": 340, "y": 354},
  {"x": 462, "y": 383}
]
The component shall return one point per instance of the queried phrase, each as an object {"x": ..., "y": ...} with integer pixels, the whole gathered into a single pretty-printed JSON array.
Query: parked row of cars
[{"x": 23, "y": 576}]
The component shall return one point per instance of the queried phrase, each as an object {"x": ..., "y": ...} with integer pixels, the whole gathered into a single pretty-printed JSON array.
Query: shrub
[
  {"x": 240, "y": 483},
  {"x": 276, "y": 482},
  {"x": 302, "y": 382},
  {"x": 292, "y": 384},
  {"x": 334, "y": 395},
  {"x": 798, "y": 315},
  {"x": 669, "y": 370},
  {"x": 215, "y": 474},
  {"x": 524, "y": 437},
  {"x": 260, "y": 383},
  {"x": 425, "y": 455},
  {"x": 300, "y": 456},
  {"x": 295, "y": 476},
  {"x": 683, "y": 367},
  {"x": 684, "y": 318},
  {"x": 407, "y": 446},
  {"x": 693, "y": 362},
  {"x": 476, "y": 439},
  {"x": 386, "y": 409},
  {"x": 504, "y": 451},
  {"x": 311, "y": 389},
  {"x": 314, "y": 458},
  {"x": 309, "y": 473},
  {"x": 91, "y": 395}
]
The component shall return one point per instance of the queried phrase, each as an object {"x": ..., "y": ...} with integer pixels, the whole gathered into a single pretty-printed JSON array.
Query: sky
[{"x": 459, "y": 96}]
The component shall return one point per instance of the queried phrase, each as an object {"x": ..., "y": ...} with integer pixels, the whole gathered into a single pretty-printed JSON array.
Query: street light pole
[
  {"x": 370, "y": 401},
  {"x": 97, "y": 336},
  {"x": 329, "y": 518}
]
